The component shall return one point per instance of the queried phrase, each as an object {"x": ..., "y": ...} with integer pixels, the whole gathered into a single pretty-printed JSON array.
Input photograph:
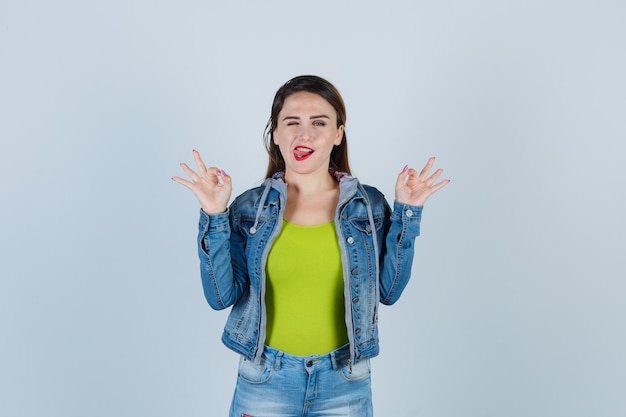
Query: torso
[{"x": 305, "y": 291}]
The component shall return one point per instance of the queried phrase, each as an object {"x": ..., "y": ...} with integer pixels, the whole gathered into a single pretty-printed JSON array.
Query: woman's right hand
[{"x": 211, "y": 186}]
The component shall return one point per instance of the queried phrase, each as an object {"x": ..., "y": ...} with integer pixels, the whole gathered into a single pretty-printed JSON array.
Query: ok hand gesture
[
  {"x": 211, "y": 186},
  {"x": 414, "y": 189}
]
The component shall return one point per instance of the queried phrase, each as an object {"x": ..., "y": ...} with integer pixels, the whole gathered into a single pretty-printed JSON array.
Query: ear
[{"x": 339, "y": 135}]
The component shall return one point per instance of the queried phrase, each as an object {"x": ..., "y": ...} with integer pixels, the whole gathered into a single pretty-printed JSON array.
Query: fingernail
[
  {"x": 223, "y": 172},
  {"x": 405, "y": 168}
]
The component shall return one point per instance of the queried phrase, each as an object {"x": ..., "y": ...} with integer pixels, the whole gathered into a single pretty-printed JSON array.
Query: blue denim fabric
[
  {"x": 233, "y": 249},
  {"x": 282, "y": 385}
]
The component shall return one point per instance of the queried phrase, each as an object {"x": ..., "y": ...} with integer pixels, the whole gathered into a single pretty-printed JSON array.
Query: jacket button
[
  {"x": 355, "y": 300},
  {"x": 351, "y": 240},
  {"x": 357, "y": 331},
  {"x": 355, "y": 271},
  {"x": 409, "y": 213}
]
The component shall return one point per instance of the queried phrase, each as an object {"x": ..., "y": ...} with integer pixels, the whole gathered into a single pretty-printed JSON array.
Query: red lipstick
[{"x": 301, "y": 153}]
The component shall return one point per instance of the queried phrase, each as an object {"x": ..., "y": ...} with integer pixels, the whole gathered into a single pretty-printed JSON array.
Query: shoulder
[
  {"x": 366, "y": 194},
  {"x": 372, "y": 191},
  {"x": 269, "y": 191},
  {"x": 352, "y": 186},
  {"x": 251, "y": 194},
  {"x": 247, "y": 199},
  {"x": 374, "y": 195}
]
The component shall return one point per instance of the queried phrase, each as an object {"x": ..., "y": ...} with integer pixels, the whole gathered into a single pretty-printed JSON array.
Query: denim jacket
[{"x": 233, "y": 249}]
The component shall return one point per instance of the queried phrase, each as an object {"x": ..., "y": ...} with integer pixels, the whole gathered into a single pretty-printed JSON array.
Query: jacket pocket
[
  {"x": 249, "y": 226},
  {"x": 364, "y": 226}
]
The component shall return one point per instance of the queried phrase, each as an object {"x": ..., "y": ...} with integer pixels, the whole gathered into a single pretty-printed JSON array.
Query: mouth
[{"x": 301, "y": 153}]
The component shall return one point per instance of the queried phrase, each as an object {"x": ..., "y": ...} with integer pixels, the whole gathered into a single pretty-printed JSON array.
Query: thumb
[
  {"x": 226, "y": 179},
  {"x": 402, "y": 176}
]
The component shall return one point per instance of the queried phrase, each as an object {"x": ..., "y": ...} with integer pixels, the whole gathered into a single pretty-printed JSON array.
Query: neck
[{"x": 310, "y": 183}]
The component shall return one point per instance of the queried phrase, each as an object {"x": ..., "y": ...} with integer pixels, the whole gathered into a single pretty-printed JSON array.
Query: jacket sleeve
[
  {"x": 222, "y": 263},
  {"x": 397, "y": 251}
]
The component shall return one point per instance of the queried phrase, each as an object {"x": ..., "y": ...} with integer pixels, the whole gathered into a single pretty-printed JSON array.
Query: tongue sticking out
[{"x": 302, "y": 153}]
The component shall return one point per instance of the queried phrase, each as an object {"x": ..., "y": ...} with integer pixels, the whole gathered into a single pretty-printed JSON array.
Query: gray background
[{"x": 516, "y": 304}]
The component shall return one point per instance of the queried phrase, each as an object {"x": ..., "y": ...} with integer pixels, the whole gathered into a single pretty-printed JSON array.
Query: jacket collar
[{"x": 338, "y": 175}]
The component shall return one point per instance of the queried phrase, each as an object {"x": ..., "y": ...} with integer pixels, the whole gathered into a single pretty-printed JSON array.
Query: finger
[
  {"x": 424, "y": 172},
  {"x": 184, "y": 182},
  {"x": 402, "y": 176},
  {"x": 439, "y": 186},
  {"x": 226, "y": 179},
  {"x": 199, "y": 163},
  {"x": 215, "y": 176},
  {"x": 434, "y": 177},
  {"x": 190, "y": 172}
]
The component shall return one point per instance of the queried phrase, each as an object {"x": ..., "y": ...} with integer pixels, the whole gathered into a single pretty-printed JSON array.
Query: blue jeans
[{"x": 284, "y": 385}]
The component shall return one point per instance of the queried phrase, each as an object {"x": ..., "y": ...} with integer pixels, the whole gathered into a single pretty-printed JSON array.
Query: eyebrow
[{"x": 321, "y": 116}]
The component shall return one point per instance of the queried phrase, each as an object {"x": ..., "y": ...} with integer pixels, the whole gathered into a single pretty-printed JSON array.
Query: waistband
[{"x": 338, "y": 358}]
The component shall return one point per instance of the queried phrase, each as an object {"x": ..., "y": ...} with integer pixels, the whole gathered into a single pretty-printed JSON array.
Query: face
[{"x": 306, "y": 132}]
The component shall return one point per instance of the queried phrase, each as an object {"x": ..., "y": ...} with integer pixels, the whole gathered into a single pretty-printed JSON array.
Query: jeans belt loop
[{"x": 277, "y": 361}]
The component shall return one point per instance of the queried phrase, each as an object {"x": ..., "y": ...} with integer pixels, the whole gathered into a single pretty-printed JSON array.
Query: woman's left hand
[{"x": 414, "y": 189}]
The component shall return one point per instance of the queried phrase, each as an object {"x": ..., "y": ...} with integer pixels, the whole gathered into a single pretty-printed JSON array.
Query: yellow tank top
[{"x": 304, "y": 295}]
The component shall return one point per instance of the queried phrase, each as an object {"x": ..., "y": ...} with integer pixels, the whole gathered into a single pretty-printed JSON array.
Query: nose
[{"x": 304, "y": 132}]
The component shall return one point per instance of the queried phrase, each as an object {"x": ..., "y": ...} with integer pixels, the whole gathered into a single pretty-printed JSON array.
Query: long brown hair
[{"x": 323, "y": 88}]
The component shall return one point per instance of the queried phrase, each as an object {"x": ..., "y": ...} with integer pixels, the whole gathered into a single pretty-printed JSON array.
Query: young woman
[{"x": 305, "y": 259}]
